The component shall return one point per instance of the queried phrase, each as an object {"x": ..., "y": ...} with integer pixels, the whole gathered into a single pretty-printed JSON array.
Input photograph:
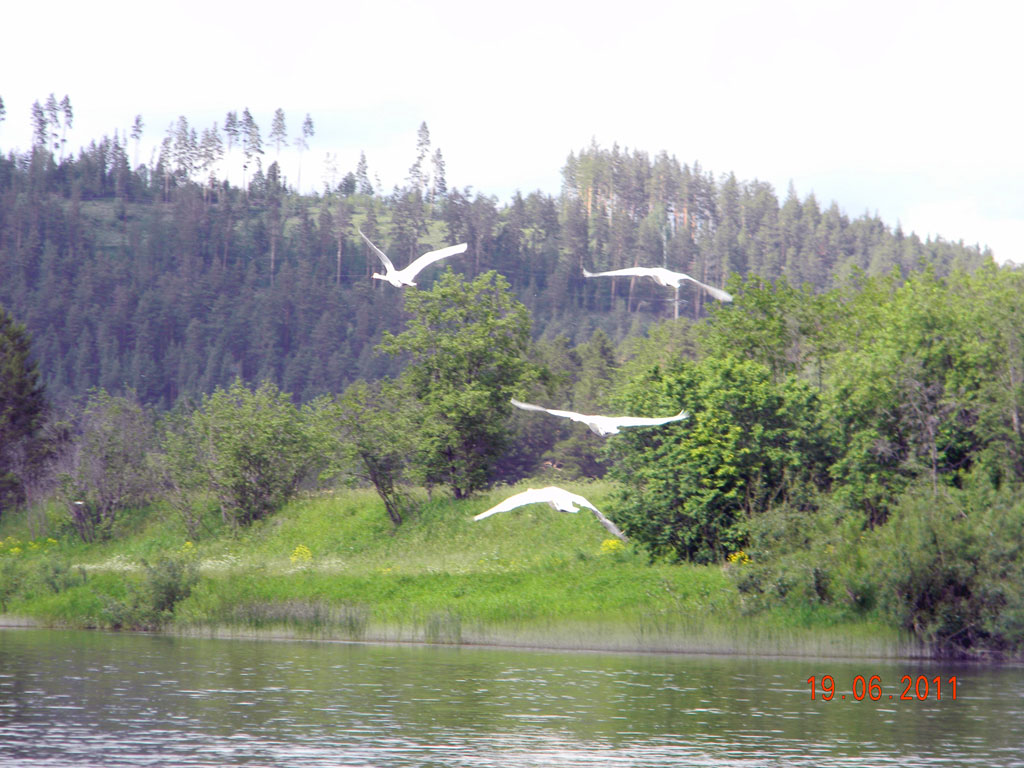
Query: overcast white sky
[{"x": 909, "y": 109}]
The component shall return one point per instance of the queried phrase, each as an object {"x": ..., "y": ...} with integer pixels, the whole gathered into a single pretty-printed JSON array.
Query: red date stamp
[{"x": 919, "y": 688}]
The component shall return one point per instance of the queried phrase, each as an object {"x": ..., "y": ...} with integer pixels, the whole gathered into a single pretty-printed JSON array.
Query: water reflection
[{"x": 81, "y": 699}]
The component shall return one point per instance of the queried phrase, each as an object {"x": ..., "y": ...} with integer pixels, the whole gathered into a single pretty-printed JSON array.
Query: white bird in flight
[
  {"x": 604, "y": 425},
  {"x": 559, "y": 499},
  {"x": 665, "y": 277},
  {"x": 400, "y": 277}
]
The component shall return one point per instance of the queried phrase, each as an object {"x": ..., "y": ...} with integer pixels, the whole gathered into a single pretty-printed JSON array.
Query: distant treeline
[{"x": 164, "y": 279}]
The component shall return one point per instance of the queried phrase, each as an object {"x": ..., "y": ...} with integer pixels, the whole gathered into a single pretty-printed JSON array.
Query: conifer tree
[
  {"x": 252, "y": 144},
  {"x": 438, "y": 186},
  {"x": 39, "y": 124},
  {"x": 363, "y": 186},
  {"x": 278, "y": 134},
  {"x": 302, "y": 144},
  {"x": 233, "y": 133},
  {"x": 137, "y": 127},
  {"x": 22, "y": 409},
  {"x": 68, "y": 115}
]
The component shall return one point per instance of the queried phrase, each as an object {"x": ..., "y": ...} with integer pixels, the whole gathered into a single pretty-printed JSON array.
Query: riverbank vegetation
[
  {"x": 332, "y": 566},
  {"x": 852, "y": 465}
]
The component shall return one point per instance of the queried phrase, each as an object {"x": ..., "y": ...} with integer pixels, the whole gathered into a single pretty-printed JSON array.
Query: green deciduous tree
[
  {"x": 749, "y": 443},
  {"x": 467, "y": 345},
  {"x": 250, "y": 448},
  {"x": 108, "y": 466},
  {"x": 375, "y": 440}
]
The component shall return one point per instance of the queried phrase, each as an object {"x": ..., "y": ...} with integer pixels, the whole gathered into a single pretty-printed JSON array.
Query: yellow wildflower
[
  {"x": 301, "y": 554},
  {"x": 611, "y": 546}
]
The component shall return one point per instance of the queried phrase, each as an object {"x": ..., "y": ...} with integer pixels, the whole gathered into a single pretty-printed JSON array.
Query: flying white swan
[
  {"x": 559, "y": 499},
  {"x": 665, "y": 277},
  {"x": 604, "y": 425},
  {"x": 400, "y": 277}
]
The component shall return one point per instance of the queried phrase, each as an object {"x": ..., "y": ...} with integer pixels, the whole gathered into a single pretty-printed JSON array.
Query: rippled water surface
[{"x": 94, "y": 699}]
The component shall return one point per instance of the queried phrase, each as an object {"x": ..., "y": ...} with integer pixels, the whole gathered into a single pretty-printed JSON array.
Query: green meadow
[{"x": 331, "y": 566}]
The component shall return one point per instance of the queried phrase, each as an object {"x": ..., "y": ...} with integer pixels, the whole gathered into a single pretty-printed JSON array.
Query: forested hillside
[{"x": 169, "y": 280}]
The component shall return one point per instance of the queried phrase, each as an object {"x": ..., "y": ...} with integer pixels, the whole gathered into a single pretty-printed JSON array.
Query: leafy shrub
[
  {"x": 150, "y": 603},
  {"x": 251, "y": 448},
  {"x": 947, "y": 567},
  {"x": 802, "y": 556},
  {"x": 107, "y": 468},
  {"x": 950, "y": 568}
]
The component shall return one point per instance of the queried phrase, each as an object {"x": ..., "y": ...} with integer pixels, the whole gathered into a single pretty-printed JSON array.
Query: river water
[{"x": 97, "y": 699}]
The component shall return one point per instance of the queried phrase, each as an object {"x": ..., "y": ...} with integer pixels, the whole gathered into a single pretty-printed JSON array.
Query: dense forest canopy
[{"x": 175, "y": 277}]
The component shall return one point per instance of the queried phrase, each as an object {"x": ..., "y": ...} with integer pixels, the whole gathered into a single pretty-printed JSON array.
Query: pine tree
[
  {"x": 137, "y": 127},
  {"x": 211, "y": 151},
  {"x": 278, "y": 134},
  {"x": 22, "y": 410},
  {"x": 233, "y": 131},
  {"x": 439, "y": 186},
  {"x": 302, "y": 144},
  {"x": 185, "y": 151},
  {"x": 53, "y": 121},
  {"x": 68, "y": 115},
  {"x": 39, "y": 124},
  {"x": 417, "y": 176},
  {"x": 363, "y": 186},
  {"x": 252, "y": 144}
]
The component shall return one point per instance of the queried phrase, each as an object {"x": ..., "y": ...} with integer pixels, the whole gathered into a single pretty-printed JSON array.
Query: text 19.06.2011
[{"x": 919, "y": 688}]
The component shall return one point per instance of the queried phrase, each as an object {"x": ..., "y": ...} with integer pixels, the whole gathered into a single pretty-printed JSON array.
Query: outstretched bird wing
[
  {"x": 554, "y": 412},
  {"x": 643, "y": 421},
  {"x": 718, "y": 293},
  {"x": 430, "y": 257},
  {"x": 531, "y": 496},
  {"x": 572, "y": 498},
  {"x": 635, "y": 271},
  {"x": 383, "y": 256}
]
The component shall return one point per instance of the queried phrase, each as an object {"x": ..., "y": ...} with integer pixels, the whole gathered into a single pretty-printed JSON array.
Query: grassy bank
[{"x": 332, "y": 567}]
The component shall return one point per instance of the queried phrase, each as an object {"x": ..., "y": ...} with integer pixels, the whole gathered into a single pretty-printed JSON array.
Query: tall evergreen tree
[
  {"x": 68, "y": 117},
  {"x": 233, "y": 131},
  {"x": 417, "y": 174},
  {"x": 252, "y": 144},
  {"x": 363, "y": 186},
  {"x": 278, "y": 133},
  {"x": 39, "y": 124},
  {"x": 439, "y": 185},
  {"x": 302, "y": 144},
  {"x": 22, "y": 409},
  {"x": 136, "y": 134}
]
